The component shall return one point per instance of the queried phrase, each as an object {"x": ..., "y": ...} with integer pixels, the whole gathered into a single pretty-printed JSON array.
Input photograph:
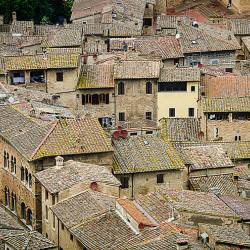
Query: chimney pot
[{"x": 59, "y": 161}]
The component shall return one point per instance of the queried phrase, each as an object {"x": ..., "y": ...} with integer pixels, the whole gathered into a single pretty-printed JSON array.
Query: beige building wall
[
  {"x": 179, "y": 100},
  {"x": 143, "y": 183}
]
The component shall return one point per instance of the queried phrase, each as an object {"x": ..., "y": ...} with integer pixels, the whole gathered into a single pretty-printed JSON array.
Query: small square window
[
  {"x": 124, "y": 182},
  {"x": 172, "y": 112},
  {"x": 59, "y": 76},
  {"x": 191, "y": 112},
  {"x": 192, "y": 88},
  {"x": 71, "y": 237},
  {"x": 160, "y": 178},
  {"x": 122, "y": 117},
  {"x": 148, "y": 115}
]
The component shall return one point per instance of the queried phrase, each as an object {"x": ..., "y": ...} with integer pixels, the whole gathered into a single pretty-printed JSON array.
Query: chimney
[
  {"x": 59, "y": 161},
  {"x": 1, "y": 20},
  {"x": 181, "y": 245},
  {"x": 14, "y": 16}
]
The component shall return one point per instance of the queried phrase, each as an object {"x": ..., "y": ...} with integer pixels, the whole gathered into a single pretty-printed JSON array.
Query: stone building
[
  {"x": 136, "y": 86},
  {"x": 52, "y": 73},
  {"x": 144, "y": 163},
  {"x": 225, "y": 119},
  {"x": 29, "y": 145},
  {"x": 240, "y": 6},
  {"x": 77, "y": 178},
  {"x": 209, "y": 169},
  {"x": 96, "y": 92},
  {"x": 177, "y": 84}
]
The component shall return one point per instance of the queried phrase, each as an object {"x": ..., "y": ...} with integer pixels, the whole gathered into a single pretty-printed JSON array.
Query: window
[
  {"x": 53, "y": 199},
  {"x": 46, "y": 213},
  {"x": 133, "y": 134},
  {"x": 149, "y": 89},
  {"x": 95, "y": 99},
  {"x": 46, "y": 195},
  {"x": 122, "y": 117},
  {"x": 149, "y": 132},
  {"x": 5, "y": 164},
  {"x": 237, "y": 136},
  {"x": 104, "y": 98},
  {"x": 59, "y": 76},
  {"x": 147, "y": 21},
  {"x": 229, "y": 70},
  {"x": 23, "y": 211},
  {"x": 191, "y": 112},
  {"x": 172, "y": 86},
  {"x": 13, "y": 202},
  {"x": 7, "y": 197},
  {"x": 192, "y": 88},
  {"x": 124, "y": 182},
  {"x": 54, "y": 221},
  {"x": 62, "y": 226},
  {"x": 171, "y": 112},
  {"x": 26, "y": 176},
  {"x": 160, "y": 178},
  {"x": 30, "y": 181},
  {"x": 148, "y": 115},
  {"x": 29, "y": 217},
  {"x": 46, "y": 235},
  {"x": 121, "y": 90},
  {"x": 71, "y": 237},
  {"x": 216, "y": 132}
]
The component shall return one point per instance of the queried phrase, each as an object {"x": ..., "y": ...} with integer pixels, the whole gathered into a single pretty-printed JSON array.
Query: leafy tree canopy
[{"x": 41, "y": 11}]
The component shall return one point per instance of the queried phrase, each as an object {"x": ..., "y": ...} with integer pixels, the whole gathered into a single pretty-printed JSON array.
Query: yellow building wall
[{"x": 180, "y": 100}]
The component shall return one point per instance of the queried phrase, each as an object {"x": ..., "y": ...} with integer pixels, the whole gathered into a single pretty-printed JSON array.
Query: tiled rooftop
[
  {"x": 56, "y": 179},
  {"x": 224, "y": 183},
  {"x": 97, "y": 76},
  {"x": 79, "y": 208},
  {"x": 144, "y": 154},
  {"x": 50, "y": 61},
  {"x": 206, "y": 157},
  {"x": 180, "y": 129},
  {"x": 173, "y": 74},
  {"x": 241, "y": 104},
  {"x": 24, "y": 239},
  {"x": 226, "y": 235},
  {"x": 130, "y": 69}
]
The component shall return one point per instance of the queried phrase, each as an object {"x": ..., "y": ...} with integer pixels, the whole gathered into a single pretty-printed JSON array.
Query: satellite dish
[
  {"x": 11, "y": 99},
  {"x": 177, "y": 36}
]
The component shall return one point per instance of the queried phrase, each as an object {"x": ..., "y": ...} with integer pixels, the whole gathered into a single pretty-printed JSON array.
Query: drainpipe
[
  {"x": 132, "y": 185},
  {"x": 58, "y": 241}
]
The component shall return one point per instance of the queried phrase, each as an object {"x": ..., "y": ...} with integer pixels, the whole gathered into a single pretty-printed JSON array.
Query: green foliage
[{"x": 41, "y": 11}]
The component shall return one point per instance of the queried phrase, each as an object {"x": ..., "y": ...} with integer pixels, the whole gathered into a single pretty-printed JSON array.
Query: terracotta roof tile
[
  {"x": 224, "y": 183},
  {"x": 144, "y": 154},
  {"x": 56, "y": 179}
]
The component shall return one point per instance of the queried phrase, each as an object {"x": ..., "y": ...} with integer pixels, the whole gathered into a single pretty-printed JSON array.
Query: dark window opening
[
  {"x": 218, "y": 116},
  {"x": 122, "y": 117},
  {"x": 229, "y": 70},
  {"x": 192, "y": 88},
  {"x": 176, "y": 61},
  {"x": 46, "y": 195},
  {"x": 71, "y": 237},
  {"x": 133, "y": 134},
  {"x": 62, "y": 226},
  {"x": 241, "y": 116},
  {"x": 37, "y": 77},
  {"x": 148, "y": 115},
  {"x": 171, "y": 112},
  {"x": 149, "y": 132},
  {"x": 124, "y": 182},
  {"x": 160, "y": 178},
  {"x": 121, "y": 89},
  {"x": 191, "y": 112},
  {"x": 147, "y": 22},
  {"x": 59, "y": 76},
  {"x": 149, "y": 89},
  {"x": 176, "y": 86},
  {"x": 18, "y": 78},
  {"x": 95, "y": 99}
]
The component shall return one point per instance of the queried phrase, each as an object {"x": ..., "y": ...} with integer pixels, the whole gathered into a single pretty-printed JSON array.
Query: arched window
[
  {"x": 22, "y": 173},
  {"x": 5, "y": 159},
  {"x": 12, "y": 164},
  {"x": 8, "y": 158},
  {"x": 121, "y": 90},
  {"x": 7, "y": 197},
  {"x": 29, "y": 217},
  {"x": 30, "y": 180},
  {"x": 13, "y": 202},
  {"x": 26, "y": 176},
  {"x": 149, "y": 88},
  {"x": 23, "y": 211}
]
